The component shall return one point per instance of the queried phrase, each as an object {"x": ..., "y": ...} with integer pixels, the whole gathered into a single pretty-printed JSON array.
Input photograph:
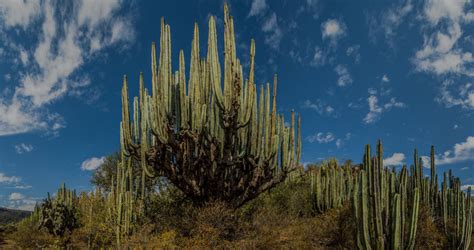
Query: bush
[
  {"x": 57, "y": 217},
  {"x": 28, "y": 235},
  {"x": 291, "y": 198},
  {"x": 95, "y": 230}
]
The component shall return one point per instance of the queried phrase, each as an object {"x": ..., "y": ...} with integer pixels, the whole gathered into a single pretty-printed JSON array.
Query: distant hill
[{"x": 11, "y": 215}]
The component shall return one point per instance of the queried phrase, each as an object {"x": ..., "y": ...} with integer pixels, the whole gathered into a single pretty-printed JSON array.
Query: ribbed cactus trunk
[
  {"x": 124, "y": 204},
  {"x": 386, "y": 205},
  {"x": 380, "y": 203},
  {"x": 331, "y": 186},
  {"x": 211, "y": 141}
]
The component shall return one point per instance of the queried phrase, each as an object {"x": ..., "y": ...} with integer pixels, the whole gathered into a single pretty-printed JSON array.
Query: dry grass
[
  {"x": 279, "y": 219},
  {"x": 429, "y": 234}
]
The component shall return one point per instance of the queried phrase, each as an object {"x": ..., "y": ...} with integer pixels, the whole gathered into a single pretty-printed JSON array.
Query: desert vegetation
[{"x": 207, "y": 162}]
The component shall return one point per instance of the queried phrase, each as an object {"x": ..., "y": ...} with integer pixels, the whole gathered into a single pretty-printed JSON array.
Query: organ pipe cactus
[
  {"x": 379, "y": 203},
  {"x": 386, "y": 204},
  {"x": 125, "y": 205},
  {"x": 331, "y": 186},
  {"x": 213, "y": 140}
]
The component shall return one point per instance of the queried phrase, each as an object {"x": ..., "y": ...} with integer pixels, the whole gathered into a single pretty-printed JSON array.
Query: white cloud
[
  {"x": 8, "y": 179},
  {"x": 257, "y": 8},
  {"x": 393, "y": 103},
  {"x": 319, "y": 57},
  {"x": 341, "y": 141},
  {"x": 321, "y": 137},
  {"x": 16, "y": 117},
  {"x": 93, "y": 12},
  {"x": 24, "y": 57},
  {"x": 393, "y": 17},
  {"x": 463, "y": 151},
  {"x": 92, "y": 163},
  {"x": 333, "y": 29},
  {"x": 21, "y": 202},
  {"x": 23, "y": 148},
  {"x": 23, "y": 186},
  {"x": 396, "y": 159},
  {"x": 16, "y": 196},
  {"x": 319, "y": 106},
  {"x": 375, "y": 110},
  {"x": 354, "y": 52},
  {"x": 18, "y": 12},
  {"x": 441, "y": 53},
  {"x": 436, "y": 10},
  {"x": 451, "y": 94},
  {"x": 65, "y": 43},
  {"x": 466, "y": 187},
  {"x": 385, "y": 78},
  {"x": 272, "y": 31},
  {"x": 345, "y": 77},
  {"x": 465, "y": 168}
]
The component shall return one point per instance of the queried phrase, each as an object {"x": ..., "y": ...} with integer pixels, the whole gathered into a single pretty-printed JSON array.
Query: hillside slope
[{"x": 10, "y": 215}]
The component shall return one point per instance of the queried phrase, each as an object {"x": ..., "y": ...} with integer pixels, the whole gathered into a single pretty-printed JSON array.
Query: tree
[
  {"x": 104, "y": 174},
  {"x": 107, "y": 171},
  {"x": 214, "y": 144}
]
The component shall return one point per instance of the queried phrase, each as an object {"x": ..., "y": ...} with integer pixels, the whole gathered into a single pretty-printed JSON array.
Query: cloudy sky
[{"x": 401, "y": 71}]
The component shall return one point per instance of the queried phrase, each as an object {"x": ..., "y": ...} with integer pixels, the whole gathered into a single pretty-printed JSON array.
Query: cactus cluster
[
  {"x": 213, "y": 141},
  {"x": 386, "y": 203},
  {"x": 58, "y": 214},
  {"x": 331, "y": 185},
  {"x": 125, "y": 201},
  {"x": 455, "y": 206}
]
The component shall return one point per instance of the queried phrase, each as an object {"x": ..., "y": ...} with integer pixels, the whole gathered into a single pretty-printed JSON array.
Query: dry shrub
[
  {"x": 335, "y": 228},
  {"x": 273, "y": 229},
  {"x": 213, "y": 225},
  {"x": 27, "y": 235},
  {"x": 142, "y": 237},
  {"x": 429, "y": 234},
  {"x": 168, "y": 211},
  {"x": 166, "y": 240}
]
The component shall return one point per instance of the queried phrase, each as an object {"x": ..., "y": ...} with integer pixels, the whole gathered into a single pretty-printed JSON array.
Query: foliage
[
  {"x": 27, "y": 234},
  {"x": 96, "y": 231},
  {"x": 105, "y": 174}
]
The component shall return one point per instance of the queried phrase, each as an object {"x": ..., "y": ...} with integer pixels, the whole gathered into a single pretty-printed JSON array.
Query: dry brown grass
[{"x": 429, "y": 234}]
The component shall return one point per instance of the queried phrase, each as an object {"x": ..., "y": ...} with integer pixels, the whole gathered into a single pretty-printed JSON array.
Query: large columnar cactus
[
  {"x": 452, "y": 206},
  {"x": 213, "y": 143},
  {"x": 331, "y": 186},
  {"x": 456, "y": 209},
  {"x": 124, "y": 203},
  {"x": 381, "y": 200}
]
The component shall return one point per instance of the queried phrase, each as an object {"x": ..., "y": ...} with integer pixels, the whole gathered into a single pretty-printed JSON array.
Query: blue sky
[{"x": 402, "y": 71}]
